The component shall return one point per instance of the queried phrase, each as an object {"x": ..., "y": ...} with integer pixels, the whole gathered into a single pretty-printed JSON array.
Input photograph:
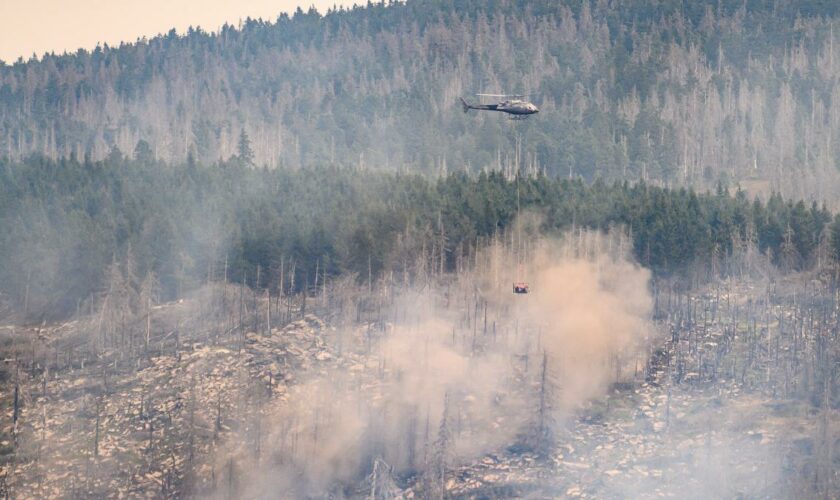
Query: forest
[
  {"x": 276, "y": 260},
  {"x": 676, "y": 93},
  {"x": 604, "y": 380},
  {"x": 64, "y": 224}
]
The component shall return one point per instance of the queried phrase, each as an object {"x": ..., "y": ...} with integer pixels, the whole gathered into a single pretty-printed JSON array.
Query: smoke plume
[{"x": 452, "y": 369}]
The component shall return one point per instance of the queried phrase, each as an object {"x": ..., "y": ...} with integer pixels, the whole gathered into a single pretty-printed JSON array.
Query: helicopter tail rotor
[{"x": 465, "y": 104}]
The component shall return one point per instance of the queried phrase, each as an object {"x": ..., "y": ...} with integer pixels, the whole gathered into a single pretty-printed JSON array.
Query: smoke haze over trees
[
  {"x": 63, "y": 223},
  {"x": 683, "y": 92},
  {"x": 459, "y": 382},
  {"x": 276, "y": 261}
]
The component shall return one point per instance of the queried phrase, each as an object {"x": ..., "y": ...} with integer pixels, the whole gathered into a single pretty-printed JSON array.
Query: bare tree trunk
[
  {"x": 148, "y": 321},
  {"x": 96, "y": 436},
  {"x": 268, "y": 311},
  {"x": 26, "y": 294}
]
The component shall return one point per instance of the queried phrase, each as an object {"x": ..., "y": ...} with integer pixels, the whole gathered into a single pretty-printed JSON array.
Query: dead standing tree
[
  {"x": 435, "y": 477},
  {"x": 539, "y": 435},
  {"x": 115, "y": 312},
  {"x": 149, "y": 294}
]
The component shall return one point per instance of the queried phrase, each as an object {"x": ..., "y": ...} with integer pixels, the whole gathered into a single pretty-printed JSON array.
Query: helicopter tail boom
[{"x": 487, "y": 107}]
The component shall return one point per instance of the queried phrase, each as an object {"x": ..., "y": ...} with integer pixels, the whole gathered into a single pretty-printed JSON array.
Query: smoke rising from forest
[
  {"x": 596, "y": 310},
  {"x": 225, "y": 273},
  {"x": 455, "y": 371}
]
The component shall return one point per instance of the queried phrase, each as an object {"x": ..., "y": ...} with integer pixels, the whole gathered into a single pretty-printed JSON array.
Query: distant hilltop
[{"x": 684, "y": 94}]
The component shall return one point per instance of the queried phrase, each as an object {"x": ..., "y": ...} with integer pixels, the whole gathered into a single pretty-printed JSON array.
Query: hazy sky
[{"x": 38, "y": 26}]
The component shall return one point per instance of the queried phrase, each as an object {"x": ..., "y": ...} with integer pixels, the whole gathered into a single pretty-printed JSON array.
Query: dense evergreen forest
[
  {"x": 69, "y": 229},
  {"x": 671, "y": 92}
]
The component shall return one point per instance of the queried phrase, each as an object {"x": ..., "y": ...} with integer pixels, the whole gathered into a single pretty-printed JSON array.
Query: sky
[{"x": 39, "y": 26}]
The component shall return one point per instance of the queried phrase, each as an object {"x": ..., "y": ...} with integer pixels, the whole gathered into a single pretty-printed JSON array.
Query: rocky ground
[
  {"x": 712, "y": 416},
  {"x": 635, "y": 444},
  {"x": 722, "y": 413},
  {"x": 143, "y": 424}
]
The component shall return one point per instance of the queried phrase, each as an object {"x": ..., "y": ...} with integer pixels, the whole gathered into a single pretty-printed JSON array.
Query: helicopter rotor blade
[{"x": 502, "y": 95}]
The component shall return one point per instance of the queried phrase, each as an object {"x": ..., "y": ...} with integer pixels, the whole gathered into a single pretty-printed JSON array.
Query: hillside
[
  {"x": 679, "y": 92},
  {"x": 281, "y": 261},
  {"x": 452, "y": 388},
  {"x": 68, "y": 230}
]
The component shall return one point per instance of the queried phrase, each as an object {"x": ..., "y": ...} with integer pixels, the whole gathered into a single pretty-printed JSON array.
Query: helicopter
[{"x": 512, "y": 104}]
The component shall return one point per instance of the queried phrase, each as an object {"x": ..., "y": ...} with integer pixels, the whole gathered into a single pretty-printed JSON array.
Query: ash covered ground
[{"x": 449, "y": 391}]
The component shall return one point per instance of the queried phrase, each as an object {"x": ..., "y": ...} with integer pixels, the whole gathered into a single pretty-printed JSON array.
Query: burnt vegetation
[
  {"x": 183, "y": 373},
  {"x": 226, "y": 271}
]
